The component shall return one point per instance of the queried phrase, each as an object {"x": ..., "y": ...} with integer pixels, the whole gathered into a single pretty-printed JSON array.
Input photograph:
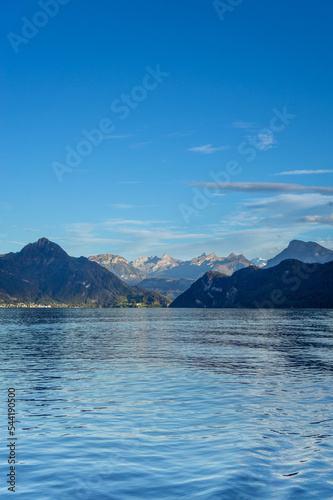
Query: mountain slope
[
  {"x": 289, "y": 284},
  {"x": 43, "y": 273},
  {"x": 120, "y": 267},
  {"x": 305, "y": 251},
  {"x": 167, "y": 267}
]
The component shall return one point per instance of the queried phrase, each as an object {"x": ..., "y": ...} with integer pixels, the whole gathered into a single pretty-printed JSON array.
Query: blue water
[{"x": 167, "y": 404}]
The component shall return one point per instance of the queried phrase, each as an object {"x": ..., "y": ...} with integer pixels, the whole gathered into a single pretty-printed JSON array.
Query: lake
[{"x": 168, "y": 403}]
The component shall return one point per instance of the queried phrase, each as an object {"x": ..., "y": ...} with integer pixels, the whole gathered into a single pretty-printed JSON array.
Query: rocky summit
[
  {"x": 120, "y": 267},
  {"x": 305, "y": 251}
]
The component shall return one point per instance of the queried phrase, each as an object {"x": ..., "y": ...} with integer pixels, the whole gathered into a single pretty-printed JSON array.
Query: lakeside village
[{"x": 67, "y": 306}]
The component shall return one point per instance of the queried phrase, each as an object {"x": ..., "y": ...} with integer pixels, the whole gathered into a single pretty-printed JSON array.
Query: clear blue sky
[{"x": 194, "y": 97}]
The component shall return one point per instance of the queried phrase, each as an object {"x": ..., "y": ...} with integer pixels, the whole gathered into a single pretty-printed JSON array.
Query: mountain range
[
  {"x": 290, "y": 284},
  {"x": 168, "y": 275},
  {"x": 168, "y": 267},
  {"x": 149, "y": 271},
  {"x": 42, "y": 273}
]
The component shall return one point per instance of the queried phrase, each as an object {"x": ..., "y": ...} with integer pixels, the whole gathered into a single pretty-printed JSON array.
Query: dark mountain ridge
[
  {"x": 289, "y": 284},
  {"x": 43, "y": 273}
]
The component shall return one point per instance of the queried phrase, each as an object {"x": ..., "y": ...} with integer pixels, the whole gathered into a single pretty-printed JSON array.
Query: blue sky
[{"x": 139, "y": 128}]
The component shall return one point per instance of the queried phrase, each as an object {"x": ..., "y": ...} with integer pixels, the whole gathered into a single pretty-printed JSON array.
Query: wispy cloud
[
  {"x": 264, "y": 187},
  {"x": 282, "y": 210},
  {"x": 31, "y": 230},
  {"x": 17, "y": 243},
  {"x": 207, "y": 149},
  {"x": 82, "y": 233},
  {"x": 262, "y": 140},
  {"x": 179, "y": 134},
  {"x": 289, "y": 202},
  {"x": 305, "y": 172},
  {"x": 244, "y": 125},
  {"x": 120, "y": 136},
  {"x": 130, "y": 237},
  {"x": 318, "y": 219},
  {"x": 122, "y": 206},
  {"x": 112, "y": 223}
]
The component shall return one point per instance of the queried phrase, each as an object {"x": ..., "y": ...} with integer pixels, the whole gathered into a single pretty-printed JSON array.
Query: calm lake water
[{"x": 167, "y": 404}]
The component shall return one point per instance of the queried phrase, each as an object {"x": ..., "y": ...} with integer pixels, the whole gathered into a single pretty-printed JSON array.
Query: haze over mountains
[{"x": 170, "y": 287}]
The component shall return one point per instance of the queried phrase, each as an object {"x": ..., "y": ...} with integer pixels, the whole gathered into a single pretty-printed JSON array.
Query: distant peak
[
  {"x": 303, "y": 244},
  {"x": 44, "y": 245},
  {"x": 295, "y": 242},
  {"x": 43, "y": 241}
]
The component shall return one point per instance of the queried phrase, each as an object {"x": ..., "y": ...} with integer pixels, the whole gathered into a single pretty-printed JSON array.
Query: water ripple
[{"x": 168, "y": 404}]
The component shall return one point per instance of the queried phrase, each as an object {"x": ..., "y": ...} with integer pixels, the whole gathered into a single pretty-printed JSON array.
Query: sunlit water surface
[{"x": 167, "y": 404}]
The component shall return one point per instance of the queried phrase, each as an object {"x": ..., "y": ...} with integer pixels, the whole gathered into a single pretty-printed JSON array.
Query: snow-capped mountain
[
  {"x": 259, "y": 262},
  {"x": 153, "y": 266},
  {"x": 120, "y": 267},
  {"x": 168, "y": 267}
]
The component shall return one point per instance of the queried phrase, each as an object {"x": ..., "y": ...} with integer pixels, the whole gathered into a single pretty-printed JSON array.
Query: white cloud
[
  {"x": 318, "y": 219},
  {"x": 120, "y": 136},
  {"x": 262, "y": 140},
  {"x": 122, "y": 206},
  {"x": 244, "y": 125},
  {"x": 265, "y": 187},
  {"x": 207, "y": 149},
  {"x": 281, "y": 210},
  {"x": 180, "y": 134},
  {"x": 18, "y": 243},
  {"x": 290, "y": 201},
  {"x": 305, "y": 172}
]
